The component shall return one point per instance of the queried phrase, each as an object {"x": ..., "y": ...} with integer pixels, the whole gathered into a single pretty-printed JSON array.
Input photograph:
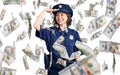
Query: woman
[{"x": 62, "y": 20}]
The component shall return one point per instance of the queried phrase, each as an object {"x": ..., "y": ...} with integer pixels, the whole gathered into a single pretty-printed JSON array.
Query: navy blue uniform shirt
[{"x": 50, "y": 35}]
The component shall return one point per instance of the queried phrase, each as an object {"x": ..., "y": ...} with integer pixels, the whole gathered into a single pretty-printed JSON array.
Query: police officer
[{"x": 62, "y": 20}]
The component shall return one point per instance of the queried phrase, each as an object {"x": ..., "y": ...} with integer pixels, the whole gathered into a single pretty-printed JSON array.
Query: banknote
[
  {"x": 104, "y": 66},
  {"x": 1, "y": 58},
  {"x": 84, "y": 40},
  {"x": 114, "y": 63},
  {"x": 110, "y": 8},
  {"x": 41, "y": 71},
  {"x": 87, "y": 66},
  {"x": 2, "y": 14},
  {"x": 7, "y": 2},
  {"x": 74, "y": 54},
  {"x": 61, "y": 62},
  {"x": 45, "y": 4},
  {"x": 84, "y": 48},
  {"x": 21, "y": 36},
  {"x": 61, "y": 50},
  {"x": 96, "y": 35},
  {"x": 91, "y": 12},
  {"x": 7, "y": 71},
  {"x": 22, "y": 16},
  {"x": 80, "y": 28},
  {"x": 25, "y": 62},
  {"x": 101, "y": 3},
  {"x": 56, "y": 0},
  {"x": 38, "y": 51},
  {"x": 8, "y": 59},
  {"x": 96, "y": 51},
  {"x": 10, "y": 50},
  {"x": 80, "y": 13},
  {"x": 96, "y": 24},
  {"x": 1, "y": 43},
  {"x": 112, "y": 26},
  {"x": 79, "y": 2},
  {"x": 109, "y": 46},
  {"x": 29, "y": 24},
  {"x": 29, "y": 52},
  {"x": 10, "y": 27}
]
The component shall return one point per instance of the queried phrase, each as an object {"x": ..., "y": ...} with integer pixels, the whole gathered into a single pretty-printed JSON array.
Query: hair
[{"x": 68, "y": 21}]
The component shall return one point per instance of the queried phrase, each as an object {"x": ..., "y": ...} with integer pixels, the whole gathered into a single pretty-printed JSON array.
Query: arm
[{"x": 40, "y": 17}]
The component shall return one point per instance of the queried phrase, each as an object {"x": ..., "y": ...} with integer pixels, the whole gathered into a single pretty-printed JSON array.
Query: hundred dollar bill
[
  {"x": 1, "y": 43},
  {"x": 101, "y": 3},
  {"x": 22, "y": 15},
  {"x": 38, "y": 50},
  {"x": 79, "y": 2},
  {"x": 10, "y": 27},
  {"x": 1, "y": 58},
  {"x": 61, "y": 50},
  {"x": 7, "y": 2},
  {"x": 79, "y": 27},
  {"x": 104, "y": 66},
  {"x": 109, "y": 46},
  {"x": 29, "y": 52},
  {"x": 74, "y": 54},
  {"x": 25, "y": 62},
  {"x": 110, "y": 8},
  {"x": 85, "y": 40},
  {"x": 29, "y": 24},
  {"x": 41, "y": 71},
  {"x": 96, "y": 35},
  {"x": 2, "y": 14},
  {"x": 87, "y": 66},
  {"x": 114, "y": 63},
  {"x": 10, "y": 50},
  {"x": 91, "y": 12},
  {"x": 80, "y": 13},
  {"x": 61, "y": 62},
  {"x": 112, "y": 26},
  {"x": 21, "y": 36},
  {"x": 96, "y": 24},
  {"x": 8, "y": 59},
  {"x": 96, "y": 51},
  {"x": 84, "y": 48},
  {"x": 45, "y": 4},
  {"x": 7, "y": 71}
]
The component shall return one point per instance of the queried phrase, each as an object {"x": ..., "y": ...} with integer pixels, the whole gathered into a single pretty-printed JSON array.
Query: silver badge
[
  {"x": 60, "y": 6},
  {"x": 71, "y": 37}
]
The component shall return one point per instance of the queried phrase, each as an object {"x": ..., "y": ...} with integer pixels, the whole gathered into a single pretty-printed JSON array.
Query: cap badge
[{"x": 60, "y": 6}]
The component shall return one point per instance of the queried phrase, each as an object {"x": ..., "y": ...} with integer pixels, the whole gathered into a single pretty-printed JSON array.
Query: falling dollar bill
[
  {"x": 8, "y": 58},
  {"x": 1, "y": 43},
  {"x": 79, "y": 27},
  {"x": 22, "y": 16},
  {"x": 45, "y": 4},
  {"x": 2, "y": 14},
  {"x": 112, "y": 26},
  {"x": 96, "y": 35},
  {"x": 7, "y": 2},
  {"x": 114, "y": 63},
  {"x": 96, "y": 51},
  {"x": 96, "y": 24},
  {"x": 25, "y": 62},
  {"x": 104, "y": 66},
  {"x": 60, "y": 48},
  {"x": 87, "y": 66},
  {"x": 1, "y": 58},
  {"x": 29, "y": 52},
  {"x": 91, "y": 12},
  {"x": 41, "y": 71},
  {"x": 84, "y": 48},
  {"x": 80, "y": 13},
  {"x": 110, "y": 8},
  {"x": 79, "y": 2},
  {"x": 10, "y": 50},
  {"x": 7, "y": 71},
  {"x": 10, "y": 27},
  {"x": 38, "y": 50},
  {"x": 109, "y": 46},
  {"x": 21, "y": 36},
  {"x": 61, "y": 62},
  {"x": 85, "y": 40},
  {"x": 29, "y": 24}
]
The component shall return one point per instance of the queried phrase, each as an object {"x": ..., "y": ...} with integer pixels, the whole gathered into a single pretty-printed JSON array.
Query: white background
[{"x": 33, "y": 41}]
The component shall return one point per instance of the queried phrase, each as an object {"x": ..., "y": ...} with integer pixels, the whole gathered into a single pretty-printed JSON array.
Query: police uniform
[{"x": 50, "y": 35}]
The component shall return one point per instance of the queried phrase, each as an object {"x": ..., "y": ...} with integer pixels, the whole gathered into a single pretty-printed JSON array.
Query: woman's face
[{"x": 61, "y": 18}]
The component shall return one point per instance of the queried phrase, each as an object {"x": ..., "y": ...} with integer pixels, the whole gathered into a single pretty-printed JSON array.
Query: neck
[{"x": 63, "y": 27}]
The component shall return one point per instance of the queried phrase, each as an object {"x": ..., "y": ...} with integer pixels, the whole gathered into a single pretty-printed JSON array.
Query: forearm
[{"x": 39, "y": 20}]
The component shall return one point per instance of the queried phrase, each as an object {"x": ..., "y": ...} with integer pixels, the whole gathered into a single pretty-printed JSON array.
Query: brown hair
[{"x": 68, "y": 21}]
